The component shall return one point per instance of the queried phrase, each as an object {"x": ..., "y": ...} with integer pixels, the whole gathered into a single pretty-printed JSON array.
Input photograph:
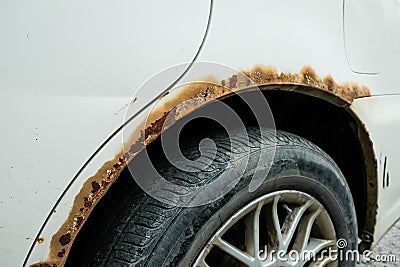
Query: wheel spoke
[
  {"x": 304, "y": 230},
  {"x": 234, "y": 252},
  {"x": 324, "y": 261},
  {"x": 312, "y": 249},
  {"x": 252, "y": 232},
  {"x": 275, "y": 218},
  {"x": 316, "y": 245},
  {"x": 202, "y": 263},
  {"x": 291, "y": 222}
]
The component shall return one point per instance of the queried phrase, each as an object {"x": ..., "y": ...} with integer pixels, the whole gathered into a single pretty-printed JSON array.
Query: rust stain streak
[{"x": 165, "y": 115}]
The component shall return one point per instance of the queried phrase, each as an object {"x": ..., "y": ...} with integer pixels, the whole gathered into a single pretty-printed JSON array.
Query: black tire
[{"x": 150, "y": 233}]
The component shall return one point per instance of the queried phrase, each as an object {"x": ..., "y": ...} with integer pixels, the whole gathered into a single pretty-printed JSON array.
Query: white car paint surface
[
  {"x": 364, "y": 35},
  {"x": 381, "y": 115}
]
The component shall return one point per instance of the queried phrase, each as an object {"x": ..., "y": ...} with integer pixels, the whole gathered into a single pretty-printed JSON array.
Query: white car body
[{"x": 68, "y": 70}]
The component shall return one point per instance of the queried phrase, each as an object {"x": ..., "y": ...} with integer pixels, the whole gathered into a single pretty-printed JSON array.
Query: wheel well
[
  {"x": 333, "y": 128},
  {"x": 329, "y": 126}
]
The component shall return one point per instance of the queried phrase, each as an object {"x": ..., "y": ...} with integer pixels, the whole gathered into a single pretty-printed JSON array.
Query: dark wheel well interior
[{"x": 330, "y": 127}]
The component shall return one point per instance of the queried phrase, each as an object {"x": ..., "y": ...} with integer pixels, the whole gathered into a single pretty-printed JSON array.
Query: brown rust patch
[
  {"x": 263, "y": 75},
  {"x": 43, "y": 264},
  {"x": 330, "y": 83},
  {"x": 65, "y": 239},
  {"x": 93, "y": 189},
  {"x": 40, "y": 240},
  {"x": 164, "y": 115},
  {"x": 233, "y": 81},
  {"x": 61, "y": 253}
]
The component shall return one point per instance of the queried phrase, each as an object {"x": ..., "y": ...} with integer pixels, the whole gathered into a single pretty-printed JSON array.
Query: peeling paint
[
  {"x": 262, "y": 75},
  {"x": 165, "y": 115},
  {"x": 93, "y": 189}
]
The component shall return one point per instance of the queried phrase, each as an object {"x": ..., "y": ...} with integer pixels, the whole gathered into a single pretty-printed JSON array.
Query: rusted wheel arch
[{"x": 119, "y": 164}]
